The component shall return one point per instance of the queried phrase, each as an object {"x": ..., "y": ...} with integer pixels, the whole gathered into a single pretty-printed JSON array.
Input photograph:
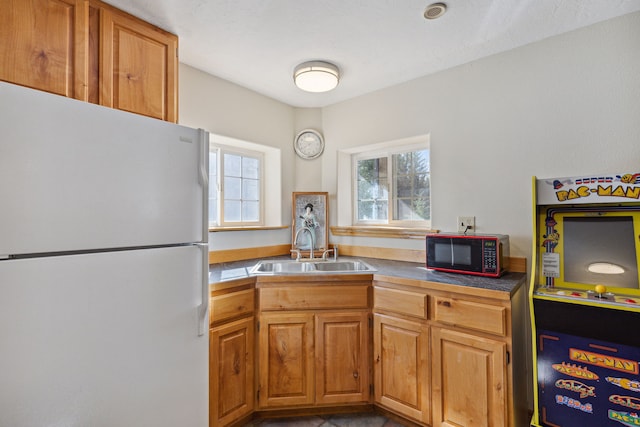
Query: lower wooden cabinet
[
  {"x": 231, "y": 373},
  {"x": 401, "y": 366},
  {"x": 437, "y": 355},
  {"x": 448, "y": 356},
  {"x": 232, "y": 357},
  {"x": 285, "y": 364},
  {"x": 311, "y": 359},
  {"x": 469, "y": 380},
  {"x": 342, "y": 358}
]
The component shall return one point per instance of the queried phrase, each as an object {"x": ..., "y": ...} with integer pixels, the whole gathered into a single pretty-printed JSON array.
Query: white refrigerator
[{"x": 103, "y": 266}]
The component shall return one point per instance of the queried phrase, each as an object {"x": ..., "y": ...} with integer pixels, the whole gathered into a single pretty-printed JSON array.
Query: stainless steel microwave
[{"x": 476, "y": 254}]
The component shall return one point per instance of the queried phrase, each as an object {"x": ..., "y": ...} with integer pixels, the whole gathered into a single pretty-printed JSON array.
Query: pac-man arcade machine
[{"x": 585, "y": 300}]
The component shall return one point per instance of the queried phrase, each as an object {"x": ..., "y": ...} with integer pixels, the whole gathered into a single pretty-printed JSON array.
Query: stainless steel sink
[
  {"x": 281, "y": 267},
  {"x": 343, "y": 266},
  {"x": 310, "y": 267}
]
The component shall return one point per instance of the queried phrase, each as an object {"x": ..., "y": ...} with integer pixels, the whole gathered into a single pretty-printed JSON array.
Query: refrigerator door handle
[
  {"x": 204, "y": 183},
  {"x": 203, "y": 308}
]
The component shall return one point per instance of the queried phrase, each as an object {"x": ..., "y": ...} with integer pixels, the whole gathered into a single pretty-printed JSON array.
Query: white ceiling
[{"x": 375, "y": 43}]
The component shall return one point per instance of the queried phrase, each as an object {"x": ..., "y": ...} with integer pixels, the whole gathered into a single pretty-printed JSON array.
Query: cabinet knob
[
  {"x": 444, "y": 303},
  {"x": 355, "y": 374}
]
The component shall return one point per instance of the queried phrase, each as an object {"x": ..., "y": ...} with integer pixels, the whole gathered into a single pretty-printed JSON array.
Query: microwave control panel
[{"x": 489, "y": 256}]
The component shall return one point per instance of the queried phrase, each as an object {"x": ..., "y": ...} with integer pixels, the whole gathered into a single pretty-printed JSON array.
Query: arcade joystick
[{"x": 600, "y": 289}]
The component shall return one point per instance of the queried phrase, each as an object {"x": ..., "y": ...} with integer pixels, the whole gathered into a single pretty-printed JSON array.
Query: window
[
  {"x": 372, "y": 182},
  {"x": 239, "y": 171},
  {"x": 411, "y": 192},
  {"x": 235, "y": 186},
  {"x": 391, "y": 183}
]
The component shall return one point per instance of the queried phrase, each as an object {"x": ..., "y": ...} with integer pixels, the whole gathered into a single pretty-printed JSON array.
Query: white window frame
[
  {"x": 270, "y": 176},
  {"x": 347, "y": 196}
]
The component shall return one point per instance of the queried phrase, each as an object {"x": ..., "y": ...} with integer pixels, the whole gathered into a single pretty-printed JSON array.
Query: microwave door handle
[{"x": 453, "y": 261}]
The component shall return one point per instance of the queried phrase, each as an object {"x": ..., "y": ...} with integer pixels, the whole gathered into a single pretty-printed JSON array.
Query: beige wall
[
  {"x": 224, "y": 108},
  {"x": 567, "y": 105}
]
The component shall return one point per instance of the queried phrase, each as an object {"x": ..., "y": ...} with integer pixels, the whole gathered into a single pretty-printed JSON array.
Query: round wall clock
[{"x": 309, "y": 144}]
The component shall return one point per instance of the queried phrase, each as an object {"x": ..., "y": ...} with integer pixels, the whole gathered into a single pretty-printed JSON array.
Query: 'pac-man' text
[{"x": 628, "y": 192}]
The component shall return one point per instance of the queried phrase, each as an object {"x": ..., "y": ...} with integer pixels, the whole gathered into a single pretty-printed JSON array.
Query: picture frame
[{"x": 310, "y": 210}]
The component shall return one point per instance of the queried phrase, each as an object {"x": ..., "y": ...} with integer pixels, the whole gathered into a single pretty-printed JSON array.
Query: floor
[{"x": 341, "y": 420}]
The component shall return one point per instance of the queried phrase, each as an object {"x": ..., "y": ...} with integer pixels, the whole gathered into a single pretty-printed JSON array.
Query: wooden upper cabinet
[
  {"x": 89, "y": 50},
  {"x": 44, "y": 45},
  {"x": 138, "y": 66}
]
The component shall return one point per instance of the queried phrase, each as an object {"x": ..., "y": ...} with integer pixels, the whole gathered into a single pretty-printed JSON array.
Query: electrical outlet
[{"x": 466, "y": 224}]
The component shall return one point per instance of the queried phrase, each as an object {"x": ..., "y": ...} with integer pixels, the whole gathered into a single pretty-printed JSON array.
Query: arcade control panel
[{"x": 598, "y": 295}]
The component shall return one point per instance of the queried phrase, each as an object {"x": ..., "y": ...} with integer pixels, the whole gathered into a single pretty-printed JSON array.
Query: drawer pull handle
[{"x": 445, "y": 303}]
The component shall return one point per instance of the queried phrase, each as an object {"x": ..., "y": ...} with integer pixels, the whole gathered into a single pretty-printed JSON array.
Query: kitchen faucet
[
  {"x": 311, "y": 239},
  {"x": 334, "y": 251}
]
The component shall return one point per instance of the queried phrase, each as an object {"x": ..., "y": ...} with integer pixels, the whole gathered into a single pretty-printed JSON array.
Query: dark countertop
[{"x": 509, "y": 283}]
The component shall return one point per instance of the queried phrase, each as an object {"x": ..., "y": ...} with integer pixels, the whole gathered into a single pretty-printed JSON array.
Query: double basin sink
[{"x": 273, "y": 267}]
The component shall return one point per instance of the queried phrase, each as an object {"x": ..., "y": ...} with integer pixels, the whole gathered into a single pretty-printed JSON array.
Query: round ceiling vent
[{"x": 435, "y": 10}]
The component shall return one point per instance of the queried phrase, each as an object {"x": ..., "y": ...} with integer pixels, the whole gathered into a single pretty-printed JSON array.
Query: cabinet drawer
[
  {"x": 231, "y": 305},
  {"x": 400, "y": 301},
  {"x": 472, "y": 315},
  {"x": 313, "y": 297}
]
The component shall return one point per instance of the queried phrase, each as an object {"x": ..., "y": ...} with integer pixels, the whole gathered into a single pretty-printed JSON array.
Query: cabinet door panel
[
  {"x": 286, "y": 359},
  {"x": 44, "y": 45},
  {"x": 138, "y": 67},
  {"x": 231, "y": 353},
  {"x": 401, "y": 366},
  {"x": 469, "y": 380},
  {"x": 341, "y": 358}
]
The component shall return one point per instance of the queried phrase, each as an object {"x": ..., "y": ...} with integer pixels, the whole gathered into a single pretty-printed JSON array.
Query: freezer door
[
  {"x": 105, "y": 339},
  {"x": 77, "y": 176}
]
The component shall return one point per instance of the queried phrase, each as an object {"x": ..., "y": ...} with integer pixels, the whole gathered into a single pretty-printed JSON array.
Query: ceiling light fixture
[
  {"x": 435, "y": 10},
  {"x": 316, "y": 76}
]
